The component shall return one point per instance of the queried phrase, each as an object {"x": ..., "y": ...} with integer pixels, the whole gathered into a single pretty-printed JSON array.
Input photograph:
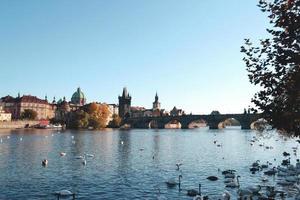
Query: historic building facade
[
  {"x": 63, "y": 107},
  {"x": 4, "y": 116},
  {"x": 155, "y": 111},
  {"x": 125, "y": 104},
  {"x": 17, "y": 105}
]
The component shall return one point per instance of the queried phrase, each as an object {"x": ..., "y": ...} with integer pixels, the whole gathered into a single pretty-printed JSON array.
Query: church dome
[{"x": 78, "y": 97}]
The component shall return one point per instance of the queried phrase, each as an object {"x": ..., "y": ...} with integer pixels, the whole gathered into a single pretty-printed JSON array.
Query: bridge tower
[
  {"x": 156, "y": 103},
  {"x": 124, "y": 104}
]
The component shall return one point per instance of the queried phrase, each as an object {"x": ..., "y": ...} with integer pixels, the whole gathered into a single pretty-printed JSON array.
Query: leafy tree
[
  {"x": 29, "y": 114},
  {"x": 115, "y": 122},
  {"x": 274, "y": 65},
  {"x": 78, "y": 120},
  {"x": 99, "y": 114}
]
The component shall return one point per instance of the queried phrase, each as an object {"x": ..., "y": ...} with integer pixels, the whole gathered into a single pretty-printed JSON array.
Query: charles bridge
[{"x": 212, "y": 120}]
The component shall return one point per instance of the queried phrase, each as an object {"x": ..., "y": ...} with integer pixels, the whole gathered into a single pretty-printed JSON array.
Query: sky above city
[{"x": 188, "y": 51}]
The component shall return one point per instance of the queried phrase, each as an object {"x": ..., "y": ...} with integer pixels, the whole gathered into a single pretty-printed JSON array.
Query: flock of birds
[{"x": 286, "y": 177}]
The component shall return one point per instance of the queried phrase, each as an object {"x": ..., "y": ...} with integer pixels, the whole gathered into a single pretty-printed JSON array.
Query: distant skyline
[{"x": 187, "y": 51}]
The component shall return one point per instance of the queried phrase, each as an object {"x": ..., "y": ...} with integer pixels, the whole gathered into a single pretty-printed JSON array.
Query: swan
[
  {"x": 256, "y": 163},
  {"x": 264, "y": 179},
  {"x": 45, "y": 162},
  {"x": 229, "y": 171},
  {"x": 194, "y": 193},
  {"x": 172, "y": 183},
  {"x": 286, "y": 154},
  {"x": 244, "y": 192},
  {"x": 64, "y": 193},
  {"x": 178, "y": 165},
  {"x": 228, "y": 180},
  {"x": 212, "y": 178},
  {"x": 78, "y": 157},
  {"x": 229, "y": 175},
  {"x": 234, "y": 184},
  {"x": 62, "y": 154},
  {"x": 226, "y": 195},
  {"x": 122, "y": 142},
  {"x": 271, "y": 172},
  {"x": 89, "y": 155},
  {"x": 254, "y": 190},
  {"x": 84, "y": 161}
]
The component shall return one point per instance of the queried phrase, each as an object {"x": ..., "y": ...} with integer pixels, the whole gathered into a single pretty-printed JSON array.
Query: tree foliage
[
  {"x": 115, "y": 122},
  {"x": 91, "y": 115},
  {"x": 78, "y": 120},
  {"x": 274, "y": 65},
  {"x": 29, "y": 114}
]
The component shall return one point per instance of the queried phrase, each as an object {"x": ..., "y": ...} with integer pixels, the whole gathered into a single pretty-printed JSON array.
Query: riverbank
[{"x": 18, "y": 124}]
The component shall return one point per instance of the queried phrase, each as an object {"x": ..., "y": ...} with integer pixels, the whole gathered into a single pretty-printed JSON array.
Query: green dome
[{"x": 78, "y": 97}]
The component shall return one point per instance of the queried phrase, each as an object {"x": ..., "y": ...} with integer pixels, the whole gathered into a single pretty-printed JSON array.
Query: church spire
[{"x": 125, "y": 92}]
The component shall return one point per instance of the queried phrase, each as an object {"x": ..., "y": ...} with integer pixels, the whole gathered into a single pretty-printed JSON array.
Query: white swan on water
[
  {"x": 63, "y": 153},
  {"x": 234, "y": 184},
  {"x": 89, "y": 155},
  {"x": 226, "y": 195},
  {"x": 64, "y": 192}
]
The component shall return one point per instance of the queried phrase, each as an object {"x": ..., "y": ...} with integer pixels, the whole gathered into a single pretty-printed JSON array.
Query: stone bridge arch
[
  {"x": 198, "y": 123},
  {"x": 173, "y": 124}
]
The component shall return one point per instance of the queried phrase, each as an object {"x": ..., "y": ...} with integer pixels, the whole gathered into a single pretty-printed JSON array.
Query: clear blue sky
[{"x": 188, "y": 51}]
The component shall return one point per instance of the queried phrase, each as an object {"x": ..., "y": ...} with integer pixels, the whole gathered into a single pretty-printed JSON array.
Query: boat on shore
[{"x": 50, "y": 126}]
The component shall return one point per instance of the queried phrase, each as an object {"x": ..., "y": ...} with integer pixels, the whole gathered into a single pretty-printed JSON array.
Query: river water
[{"x": 132, "y": 164}]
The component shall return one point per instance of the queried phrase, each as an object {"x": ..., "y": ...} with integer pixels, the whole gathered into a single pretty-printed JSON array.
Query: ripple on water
[{"x": 120, "y": 169}]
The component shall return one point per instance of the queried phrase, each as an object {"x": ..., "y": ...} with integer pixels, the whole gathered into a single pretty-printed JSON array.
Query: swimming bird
[
  {"x": 62, "y": 154},
  {"x": 226, "y": 195},
  {"x": 78, "y": 157},
  {"x": 89, "y": 155},
  {"x": 193, "y": 193},
  {"x": 234, "y": 184},
  {"x": 45, "y": 162},
  {"x": 286, "y": 154},
  {"x": 178, "y": 165},
  {"x": 212, "y": 178},
  {"x": 84, "y": 161},
  {"x": 171, "y": 183},
  {"x": 64, "y": 193},
  {"x": 271, "y": 172}
]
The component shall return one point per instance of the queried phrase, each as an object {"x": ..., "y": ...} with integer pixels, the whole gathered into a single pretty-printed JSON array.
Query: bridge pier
[
  {"x": 213, "y": 125},
  {"x": 246, "y": 126}
]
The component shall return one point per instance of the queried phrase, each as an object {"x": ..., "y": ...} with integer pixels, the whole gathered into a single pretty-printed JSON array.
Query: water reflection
[{"x": 133, "y": 163}]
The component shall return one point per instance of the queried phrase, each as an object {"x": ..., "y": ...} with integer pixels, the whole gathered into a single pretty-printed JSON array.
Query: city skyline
[{"x": 175, "y": 49}]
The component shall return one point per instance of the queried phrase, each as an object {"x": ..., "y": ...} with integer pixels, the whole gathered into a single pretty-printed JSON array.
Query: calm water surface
[{"x": 130, "y": 164}]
